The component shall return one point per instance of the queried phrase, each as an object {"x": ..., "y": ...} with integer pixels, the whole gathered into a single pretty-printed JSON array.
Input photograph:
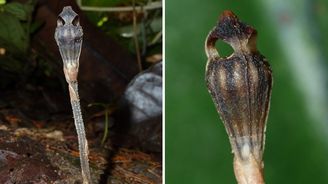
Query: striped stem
[{"x": 79, "y": 125}]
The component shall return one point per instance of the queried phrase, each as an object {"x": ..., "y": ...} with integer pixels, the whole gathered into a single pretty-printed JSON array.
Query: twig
[
  {"x": 156, "y": 38},
  {"x": 150, "y": 6},
  {"x": 135, "y": 36}
]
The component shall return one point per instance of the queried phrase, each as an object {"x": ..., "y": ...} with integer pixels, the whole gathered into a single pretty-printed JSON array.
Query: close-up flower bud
[{"x": 240, "y": 86}]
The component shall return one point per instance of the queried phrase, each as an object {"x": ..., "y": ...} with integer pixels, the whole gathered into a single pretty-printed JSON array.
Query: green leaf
[
  {"x": 2, "y": 2},
  {"x": 12, "y": 33},
  {"x": 19, "y": 10}
]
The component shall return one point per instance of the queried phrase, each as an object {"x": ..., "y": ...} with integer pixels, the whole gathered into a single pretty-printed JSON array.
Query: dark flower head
[{"x": 68, "y": 36}]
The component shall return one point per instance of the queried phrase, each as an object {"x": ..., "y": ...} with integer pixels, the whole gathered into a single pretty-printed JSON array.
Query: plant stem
[
  {"x": 248, "y": 171},
  {"x": 79, "y": 125},
  {"x": 135, "y": 36},
  {"x": 106, "y": 128}
]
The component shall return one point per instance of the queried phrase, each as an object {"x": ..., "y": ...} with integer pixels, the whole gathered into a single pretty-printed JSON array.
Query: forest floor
[{"x": 46, "y": 150}]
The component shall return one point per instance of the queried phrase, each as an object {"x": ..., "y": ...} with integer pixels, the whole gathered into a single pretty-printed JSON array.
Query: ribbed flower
[
  {"x": 240, "y": 86},
  {"x": 68, "y": 36}
]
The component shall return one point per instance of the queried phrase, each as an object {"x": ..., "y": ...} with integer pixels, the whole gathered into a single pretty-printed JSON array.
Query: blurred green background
[{"x": 293, "y": 36}]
